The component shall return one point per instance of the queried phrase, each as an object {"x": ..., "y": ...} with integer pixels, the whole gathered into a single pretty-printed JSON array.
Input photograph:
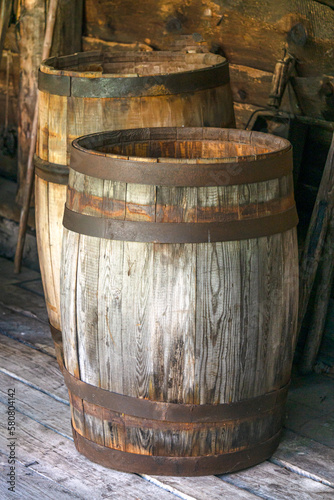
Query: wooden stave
[
  {"x": 214, "y": 107},
  {"x": 98, "y": 430}
]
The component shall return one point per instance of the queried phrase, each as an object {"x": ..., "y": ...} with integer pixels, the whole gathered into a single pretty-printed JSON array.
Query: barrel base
[{"x": 175, "y": 466}]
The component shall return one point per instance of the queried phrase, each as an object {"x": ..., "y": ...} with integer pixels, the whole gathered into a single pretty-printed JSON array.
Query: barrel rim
[
  {"x": 181, "y": 133},
  {"x": 97, "y": 56},
  {"x": 99, "y": 85},
  {"x": 182, "y": 172}
]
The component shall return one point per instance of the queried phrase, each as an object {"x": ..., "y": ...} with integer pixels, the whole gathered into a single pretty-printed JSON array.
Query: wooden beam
[
  {"x": 322, "y": 296},
  {"x": 316, "y": 235}
]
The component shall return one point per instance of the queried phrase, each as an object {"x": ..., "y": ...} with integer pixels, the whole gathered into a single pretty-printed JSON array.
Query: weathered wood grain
[
  {"x": 26, "y": 329},
  {"x": 70, "y": 255},
  {"x": 249, "y": 33},
  {"x": 184, "y": 323},
  {"x": 67, "y": 39},
  {"x": 43, "y": 236},
  {"x": 203, "y": 488},
  {"x": 56, "y": 418},
  {"x": 32, "y": 367},
  {"x": 278, "y": 483},
  {"x": 31, "y": 485},
  {"x": 173, "y": 328},
  {"x": 306, "y": 457},
  {"x": 302, "y": 455},
  {"x": 42, "y": 147},
  {"x": 36, "y": 405},
  {"x": 55, "y": 458},
  {"x": 63, "y": 119}
]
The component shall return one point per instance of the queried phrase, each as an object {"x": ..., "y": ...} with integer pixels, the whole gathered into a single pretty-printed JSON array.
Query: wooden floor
[{"x": 49, "y": 467}]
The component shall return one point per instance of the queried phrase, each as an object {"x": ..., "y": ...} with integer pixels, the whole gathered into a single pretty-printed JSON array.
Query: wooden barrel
[
  {"x": 179, "y": 287},
  {"x": 95, "y": 91}
]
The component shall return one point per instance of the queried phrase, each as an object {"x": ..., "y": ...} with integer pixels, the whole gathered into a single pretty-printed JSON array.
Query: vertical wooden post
[
  {"x": 66, "y": 40},
  {"x": 32, "y": 52},
  {"x": 32, "y": 145},
  {"x": 30, "y": 41}
]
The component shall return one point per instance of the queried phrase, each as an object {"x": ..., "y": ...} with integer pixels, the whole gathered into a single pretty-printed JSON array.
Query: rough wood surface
[
  {"x": 250, "y": 33},
  {"x": 67, "y": 40},
  {"x": 52, "y": 413},
  {"x": 297, "y": 453},
  {"x": 30, "y": 45},
  {"x": 54, "y": 456},
  {"x": 181, "y": 323},
  {"x": 32, "y": 485},
  {"x": 294, "y": 452},
  {"x": 54, "y": 416},
  {"x": 302, "y": 456},
  {"x": 62, "y": 119},
  {"x": 43, "y": 242},
  {"x": 278, "y": 483},
  {"x": 29, "y": 365},
  {"x": 306, "y": 456}
]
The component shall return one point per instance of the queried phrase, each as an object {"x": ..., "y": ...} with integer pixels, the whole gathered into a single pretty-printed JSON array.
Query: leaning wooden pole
[
  {"x": 323, "y": 292},
  {"x": 50, "y": 22},
  {"x": 316, "y": 235}
]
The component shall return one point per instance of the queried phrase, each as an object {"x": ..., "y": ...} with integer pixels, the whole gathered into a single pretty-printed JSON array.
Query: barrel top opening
[
  {"x": 183, "y": 145},
  {"x": 129, "y": 64}
]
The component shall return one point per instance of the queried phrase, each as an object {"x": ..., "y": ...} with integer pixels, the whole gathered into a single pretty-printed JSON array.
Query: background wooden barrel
[
  {"x": 179, "y": 287},
  {"x": 96, "y": 91}
]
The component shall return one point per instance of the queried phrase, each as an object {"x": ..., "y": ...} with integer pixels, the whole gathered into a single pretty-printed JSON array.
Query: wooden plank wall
[{"x": 250, "y": 33}]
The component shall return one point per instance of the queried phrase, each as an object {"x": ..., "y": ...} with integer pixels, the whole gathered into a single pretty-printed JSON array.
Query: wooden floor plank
[
  {"x": 37, "y": 405},
  {"x": 277, "y": 483},
  {"x": 7, "y": 274},
  {"x": 34, "y": 367},
  {"x": 22, "y": 291},
  {"x": 30, "y": 485},
  {"x": 202, "y": 488},
  {"x": 23, "y": 300},
  {"x": 56, "y": 416},
  {"x": 288, "y": 475},
  {"x": 26, "y": 329},
  {"x": 55, "y": 457},
  {"x": 298, "y": 453}
]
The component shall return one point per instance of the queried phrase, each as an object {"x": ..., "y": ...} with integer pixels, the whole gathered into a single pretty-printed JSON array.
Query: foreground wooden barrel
[
  {"x": 95, "y": 91},
  {"x": 179, "y": 286}
]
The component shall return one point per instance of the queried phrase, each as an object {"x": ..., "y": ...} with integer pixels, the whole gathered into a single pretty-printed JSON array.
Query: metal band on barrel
[
  {"x": 51, "y": 172},
  {"x": 167, "y": 173},
  {"x": 176, "y": 466},
  {"x": 173, "y": 412},
  {"x": 135, "y": 86},
  {"x": 183, "y": 232}
]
